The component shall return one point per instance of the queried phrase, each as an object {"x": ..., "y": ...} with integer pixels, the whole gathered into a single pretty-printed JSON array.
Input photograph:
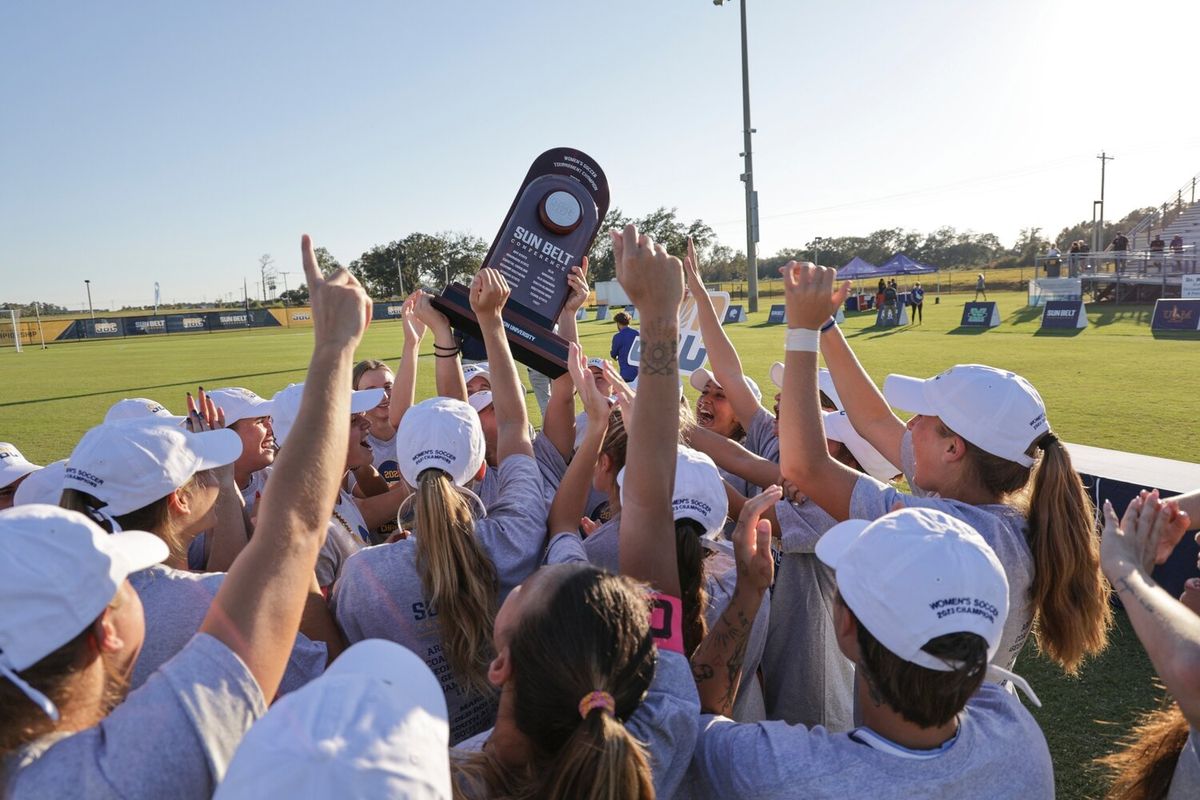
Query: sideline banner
[
  {"x": 692, "y": 353},
  {"x": 980, "y": 315},
  {"x": 734, "y": 314},
  {"x": 778, "y": 315},
  {"x": 1064, "y": 315},
  {"x": 1176, "y": 315}
]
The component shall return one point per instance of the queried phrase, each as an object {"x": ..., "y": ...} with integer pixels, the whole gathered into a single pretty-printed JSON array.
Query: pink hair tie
[{"x": 594, "y": 700}]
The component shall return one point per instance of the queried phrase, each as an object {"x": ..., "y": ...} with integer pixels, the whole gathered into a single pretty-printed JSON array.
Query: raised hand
[
  {"x": 752, "y": 542},
  {"x": 203, "y": 414},
  {"x": 691, "y": 270},
  {"x": 1132, "y": 540},
  {"x": 414, "y": 328},
  {"x": 577, "y": 288},
  {"x": 812, "y": 294},
  {"x": 489, "y": 293},
  {"x": 341, "y": 310},
  {"x": 651, "y": 277},
  {"x": 594, "y": 403},
  {"x": 429, "y": 316}
]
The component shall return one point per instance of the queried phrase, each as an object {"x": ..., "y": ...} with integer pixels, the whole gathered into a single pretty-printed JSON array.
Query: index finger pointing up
[{"x": 311, "y": 273}]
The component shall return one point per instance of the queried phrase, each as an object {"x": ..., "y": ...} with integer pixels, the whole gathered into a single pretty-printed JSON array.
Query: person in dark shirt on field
[
  {"x": 1120, "y": 244},
  {"x": 917, "y": 301},
  {"x": 622, "y": 343}
]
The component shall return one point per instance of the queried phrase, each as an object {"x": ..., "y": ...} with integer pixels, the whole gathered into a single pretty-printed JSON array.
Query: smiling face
[
  {"x": 714, "y": 412},
  {"x": 258, "y": 444},
  {"x": 378, "y": 378},
  {"x": 358, "y": 452}
]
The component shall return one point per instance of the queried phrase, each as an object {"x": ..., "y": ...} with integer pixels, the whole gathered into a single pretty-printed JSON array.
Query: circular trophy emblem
[{"x": 560, "y": 212}]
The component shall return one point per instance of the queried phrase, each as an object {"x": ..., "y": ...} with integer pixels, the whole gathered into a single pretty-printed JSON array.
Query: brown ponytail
[
  {"x": 689, "y": 556},
  {"x": 590, "y": 634},
  {"x": 1142, "y": 769},
  {"x": 458, "y": 577},
  {"x": 1069, "y": 592}
]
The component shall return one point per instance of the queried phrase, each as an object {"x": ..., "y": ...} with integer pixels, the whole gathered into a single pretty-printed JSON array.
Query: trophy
[{"x": 549, "y": 228}]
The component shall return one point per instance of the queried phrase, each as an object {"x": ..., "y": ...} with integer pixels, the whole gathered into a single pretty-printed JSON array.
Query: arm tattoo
[
  {"x": 702, "y": 672},
  {"x": 660, "y": 357},
  {"x": 1123, "y": 588},
  {"x": 738, "y": 632}
]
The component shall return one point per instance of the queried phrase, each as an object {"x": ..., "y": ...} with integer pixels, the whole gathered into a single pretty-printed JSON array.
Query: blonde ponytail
[{"x": 458, "y": 577}]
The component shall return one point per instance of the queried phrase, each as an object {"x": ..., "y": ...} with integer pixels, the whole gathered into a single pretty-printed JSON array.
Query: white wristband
[{"x": 804, "y": 340}]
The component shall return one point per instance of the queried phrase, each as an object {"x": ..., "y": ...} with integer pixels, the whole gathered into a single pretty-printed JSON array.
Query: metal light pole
[
  {"x": 1096, "y": 204},
  {"x": 400, "y": 277},
  {"x": 748, "y": 174},
  {"x": 88, "y": 284},
  {"x": 817, "y": 250},
  {"x": 1104, "y": 159}
]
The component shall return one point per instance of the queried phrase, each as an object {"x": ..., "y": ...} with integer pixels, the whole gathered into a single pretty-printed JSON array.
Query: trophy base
[{"x": 531, "y": 342}]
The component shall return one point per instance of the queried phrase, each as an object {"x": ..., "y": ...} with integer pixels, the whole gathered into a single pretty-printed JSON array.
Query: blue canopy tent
[
  {"x": 857, "y": 268},
  {"x": 901, "y": 264}
]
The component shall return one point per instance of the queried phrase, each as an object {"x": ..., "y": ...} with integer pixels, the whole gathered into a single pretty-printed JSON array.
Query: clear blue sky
[{"x": 177, "y": 142}]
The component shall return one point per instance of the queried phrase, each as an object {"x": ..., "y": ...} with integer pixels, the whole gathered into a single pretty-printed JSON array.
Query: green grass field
[{"x": 1111, "y": 385}]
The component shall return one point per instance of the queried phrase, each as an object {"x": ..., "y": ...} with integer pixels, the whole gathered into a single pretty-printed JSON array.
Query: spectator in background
[
  {"x": 1156, "y": 250},
  {"x": 917, "y": 301},
  {"x": 1120, "y": 244},
  {"x": 1073, "y": 257},
  {"x": 980, "y": 287},
  {"x": 622, "y": 343}
]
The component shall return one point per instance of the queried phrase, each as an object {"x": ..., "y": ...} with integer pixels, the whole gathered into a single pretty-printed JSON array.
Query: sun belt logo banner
[{"x": 692, "y": 353}]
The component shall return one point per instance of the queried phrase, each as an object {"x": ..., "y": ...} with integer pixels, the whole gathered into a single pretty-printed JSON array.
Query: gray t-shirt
[
  {"x": 1185, "y": 781},
  {"x": 174, "y": 737},
  {"x": 380, "y": 594},
  {"x": 346, "y": 535},
  {"x": 1003, "y": 527},
  {"x": 999, "y": 753},
  {"x": 807, "y": 680},
  {"x": 720, "y": 579},
  {"x": 553, "y": 467},
  {"x": 176, "y": 603},
  {"x": 488, "y": 489},
  {"x": 761, "y": 438},
  {"x": 601, "y": 546}
]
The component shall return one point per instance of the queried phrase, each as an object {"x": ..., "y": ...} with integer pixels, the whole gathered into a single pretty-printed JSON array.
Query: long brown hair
[
  {"x": 458, "y": 577},
  {"x": 363, "y": 367},
  {"x": 689, "y": 557},
  {"x": 1142, "y": 769},
  {"x": 1069, "y": 592},
  {"x": 592, "y": 633},
  {"x": 154, "y": 517}
]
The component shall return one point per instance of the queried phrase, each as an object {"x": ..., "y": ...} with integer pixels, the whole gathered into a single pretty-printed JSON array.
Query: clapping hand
[
  {"x": 651, "y": 277},
  {"x": 812, "y": 294},
  {"x": 752, "y": 542}
]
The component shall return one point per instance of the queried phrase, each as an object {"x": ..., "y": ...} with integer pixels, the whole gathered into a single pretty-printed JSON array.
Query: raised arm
[
  {"x": 571, "y": 498},
  {"x": 726, "y": 364},
  {"x": 733, "y": 457},
  {"x": 258, "y": 608},
  {"x": 803, "y": 457},
  {"x": 448, "y": 366},
  {"x": 1168, "y": 629},
  {"x": 404, "y": 389},
  {"x": 864, "y": 405},
  {"x": 230, "y": 533},
  {"x": 654, "y": 282},
  {"x": 489, "y": 293},
  {"x": 558, "y": 423},
  {"x": 717, "y": 662}
]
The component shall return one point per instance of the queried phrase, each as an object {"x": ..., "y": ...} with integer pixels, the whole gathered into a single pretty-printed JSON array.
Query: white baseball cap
[
  {"x": 838, "y": 428},
  {"x": 13, "y": 465},
  {"x": 995, "y": 410},
  {"x": 285, "y": 405},
  {"x": 139, "y": 408},
  {"x": 42, "y": 486},
  {"x": 58, "y": 572},
  {"x": 480, "y": 400},
  {"x": 239, "y": 404},
  {"x": 130, "y": 464},
  {"x": 699, "y": 492},
  {"x": 700, "y": 376},
  {"x": 916, "y": 574},
  {"x": 480, "y": 370},
  {"x": 595, "y": 363},
  {"x": 440, "y": 433},
  {"x": 824, "y": 382},
  {"x": 374, "y": 725}
]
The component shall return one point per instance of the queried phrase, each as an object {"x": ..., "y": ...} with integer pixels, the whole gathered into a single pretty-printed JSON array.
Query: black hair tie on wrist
[{"x": 1047, "y": 439}]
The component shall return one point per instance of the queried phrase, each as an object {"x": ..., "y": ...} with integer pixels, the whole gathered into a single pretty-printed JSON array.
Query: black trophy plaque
[{"x": 549, "y": 228}]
